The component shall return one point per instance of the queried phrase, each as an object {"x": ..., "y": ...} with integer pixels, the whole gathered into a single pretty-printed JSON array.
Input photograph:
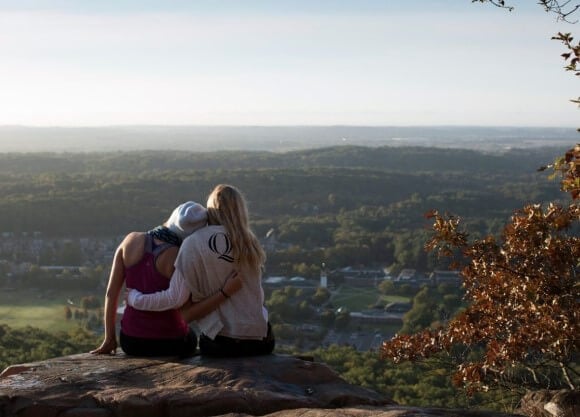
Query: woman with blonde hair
[{"x": 239, "y": 326}]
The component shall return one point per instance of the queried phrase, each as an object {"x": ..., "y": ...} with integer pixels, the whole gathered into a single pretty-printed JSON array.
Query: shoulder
[
  {"x": 196, "y": 244},
  {"x": 201, "y": 236},
  {"x": 131, "y": 248},
  {"x": 133, "y": 241},
  {"x": 133, "y": 238},
  {"x": 198, "y": 236}
]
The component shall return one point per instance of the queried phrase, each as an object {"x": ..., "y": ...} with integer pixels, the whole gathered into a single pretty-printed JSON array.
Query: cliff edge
[{"x": 85, "y": 385}]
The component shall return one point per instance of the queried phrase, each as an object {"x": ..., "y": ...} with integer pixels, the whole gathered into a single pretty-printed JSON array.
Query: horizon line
[{"x": 138, "y": 125}]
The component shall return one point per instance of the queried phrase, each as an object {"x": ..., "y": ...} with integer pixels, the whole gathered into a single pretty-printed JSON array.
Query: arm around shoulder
[
  {"x": 196, "y": 310},
  {"x": 173, "y": 297}
]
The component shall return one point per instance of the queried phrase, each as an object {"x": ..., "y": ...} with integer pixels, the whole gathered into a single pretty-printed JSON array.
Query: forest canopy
[{"x": 108, "y": 189}]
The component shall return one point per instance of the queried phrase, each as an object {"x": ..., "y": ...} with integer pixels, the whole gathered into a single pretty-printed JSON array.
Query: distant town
[{"x": 53, "y": 265}]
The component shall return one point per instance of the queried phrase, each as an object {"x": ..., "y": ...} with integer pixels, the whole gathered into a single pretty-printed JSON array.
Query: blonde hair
[{"x": 227, "y": 206}]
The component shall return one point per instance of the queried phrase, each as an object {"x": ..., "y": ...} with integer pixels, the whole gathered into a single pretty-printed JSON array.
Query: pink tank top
[{"x": 144, "y": 277}]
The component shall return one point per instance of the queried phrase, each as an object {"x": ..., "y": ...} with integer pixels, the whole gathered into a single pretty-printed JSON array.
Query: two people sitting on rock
[
  {"x": 216, "y": 281},
  {"x": 145, "y": 260}
]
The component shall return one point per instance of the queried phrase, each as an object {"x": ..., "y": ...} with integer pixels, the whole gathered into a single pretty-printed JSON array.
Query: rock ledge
[{"x": 85, "y": 385}]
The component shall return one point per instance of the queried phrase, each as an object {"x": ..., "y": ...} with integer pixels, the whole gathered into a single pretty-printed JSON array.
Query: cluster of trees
[
  {"x": 89, "y": 313},
  {"x": 32, "y": 344},
  {"x": 431, "y": 307},
  {"x": 520, "y": 326},
  {"x": 86, "y": 278},
  {"x": 92, "y": 321},
  {"x": 289, "y": 307},
  {"x": 421, "y": 384},
  {"x": 342, "y": 205}
]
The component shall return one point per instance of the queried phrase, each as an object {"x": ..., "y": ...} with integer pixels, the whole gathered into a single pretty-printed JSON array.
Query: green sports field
[
  {"x": 20, "y": 308},
  {"x": 357, "y": 299}
]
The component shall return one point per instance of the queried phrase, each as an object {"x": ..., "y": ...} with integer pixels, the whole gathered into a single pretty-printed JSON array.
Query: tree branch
[
  {"x": 562, "y": 9},
  {"x": 567, "y": 378}
]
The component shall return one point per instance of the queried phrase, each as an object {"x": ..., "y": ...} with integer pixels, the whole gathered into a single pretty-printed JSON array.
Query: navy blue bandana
[{"x": 166, "y": 235}]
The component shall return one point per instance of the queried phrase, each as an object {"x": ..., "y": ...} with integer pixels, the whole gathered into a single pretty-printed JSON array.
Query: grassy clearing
[
  {"x": 21, "y": 308},
  {"x": 356, "y": 299},
  {"x": 386, "y": 299}
]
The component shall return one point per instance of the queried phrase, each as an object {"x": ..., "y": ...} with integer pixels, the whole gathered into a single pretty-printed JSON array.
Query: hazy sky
[{"x": 278, "y": 62}]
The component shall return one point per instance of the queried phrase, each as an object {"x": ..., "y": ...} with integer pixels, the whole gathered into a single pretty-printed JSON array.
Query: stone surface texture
[
  {"x": 551, "y": 403},
  {"x": 85, "y": 385}
]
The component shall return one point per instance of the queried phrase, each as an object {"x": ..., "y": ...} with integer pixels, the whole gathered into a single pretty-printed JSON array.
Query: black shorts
[
  {"x": 139, "y": 346},
  {"x": 223, "y": 346}
]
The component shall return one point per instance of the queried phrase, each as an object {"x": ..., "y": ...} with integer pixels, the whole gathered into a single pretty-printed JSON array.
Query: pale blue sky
[{"x": 236, "y": 62}]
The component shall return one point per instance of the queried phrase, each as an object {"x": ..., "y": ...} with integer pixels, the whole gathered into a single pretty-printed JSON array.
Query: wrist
[{"x": 226, "y": 295}]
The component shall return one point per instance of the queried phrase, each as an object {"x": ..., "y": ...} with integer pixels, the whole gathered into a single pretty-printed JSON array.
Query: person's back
[
  {"x": 147, "y": 276},
  {"x": 148, "y": 265},
  {"x": 229, "y": 243},
  {"x": 206, "y": 256},
  {"x": 146, "y": 261}
]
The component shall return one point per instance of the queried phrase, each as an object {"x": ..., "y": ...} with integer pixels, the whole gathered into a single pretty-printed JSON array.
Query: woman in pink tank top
[{"x": 144, "y": 261}]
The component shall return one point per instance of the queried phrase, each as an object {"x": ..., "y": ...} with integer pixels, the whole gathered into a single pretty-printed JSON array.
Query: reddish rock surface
[{"x": 106, "y": 386}]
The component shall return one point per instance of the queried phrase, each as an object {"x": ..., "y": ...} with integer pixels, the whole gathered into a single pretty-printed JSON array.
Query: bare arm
[{"x": 116, "y": 281}]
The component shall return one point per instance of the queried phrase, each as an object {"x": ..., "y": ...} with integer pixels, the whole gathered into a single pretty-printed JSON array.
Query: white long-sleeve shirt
[
  {"x": 203, "y": 263},
  {"x": 173, "y": 297}
]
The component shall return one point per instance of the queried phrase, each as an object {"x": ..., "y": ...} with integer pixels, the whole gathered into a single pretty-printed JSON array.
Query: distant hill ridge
[
  {"x": 384, "y": 158},
  {"x": 274, "y": 138}
]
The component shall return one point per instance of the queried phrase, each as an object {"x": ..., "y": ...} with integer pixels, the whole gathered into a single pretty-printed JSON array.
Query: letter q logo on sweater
[{"x": 220, "y": 244}]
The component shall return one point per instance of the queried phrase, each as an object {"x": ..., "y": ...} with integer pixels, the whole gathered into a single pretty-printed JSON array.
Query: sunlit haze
[{"x": 364, "y": 62}]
